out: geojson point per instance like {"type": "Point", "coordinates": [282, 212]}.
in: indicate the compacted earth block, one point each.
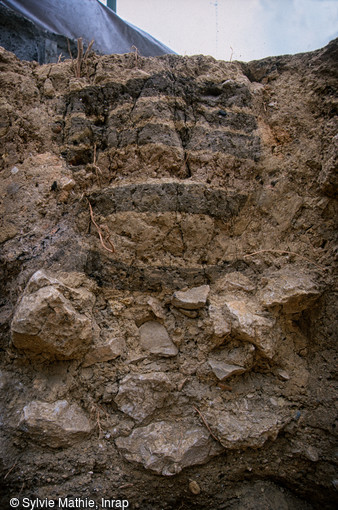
{"type": "Point", "coordinates": [168, 249]}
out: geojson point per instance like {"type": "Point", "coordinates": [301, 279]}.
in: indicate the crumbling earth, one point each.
{"type": "Point", "coordinates": [168, 249]}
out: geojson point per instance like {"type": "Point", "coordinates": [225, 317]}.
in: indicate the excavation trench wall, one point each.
{"type": "Point", "coordinates": [167, 281]}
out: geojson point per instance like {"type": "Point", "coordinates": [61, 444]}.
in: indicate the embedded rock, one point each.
{"type": "Point", "coordinates": [232, 360]}
{"type": "Point", "coordinates": [248, 323]}
{"type": "Point", "coordinates": [222, 370]}
{"type": "Point", "coordinates": [57, 425]}
{"type": "Point", "coordinates": [156, 307]}
{"type": "Point", "coordinates": [168, 447]}
{"type": "Point", "coordinates": [155, 339]}
{"type": "Point", "coordinates": [221, 326]}
{"type": "Point", "coordinates": [247, 423]}
{"type": "Point", "coordinates": [234, 281]}
{"type": "Point", "coordinates": [53, 320]}
{"type": "Point", "coordinates": [106, 351]}
{"type": "Point", "coordinates": [294, 292]}
{"type": "Point", "coordinates": [72, 290]}
{"type": "Point", "coordinates": [141, 394]}
{"type": "Point", "coordinates": [46, 323]}
{"type": "Point", "coordinates": [192, 314]}
{"type": "Point", "coordinates": [42, 279]}
{"type": "Point", "coordinates": [191, 299]}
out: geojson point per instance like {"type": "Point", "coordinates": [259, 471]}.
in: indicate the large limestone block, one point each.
{"type": "Point", "coordinates": [58, 424]}
{"type": "Point", "coordinates": [248, 423]}
{"type": "Point", "coordinates": [46, 322]}
{"type": "Point", "coordinates": [166, 448]}
{"type": "Point", "coordinates": [294, 291]}
{"type": "Point", "coordinates": [191, 299]}
{"type": "Point", "coordinates": [155, 339]}
{"type": "Point", "coordinates": [141, 394]}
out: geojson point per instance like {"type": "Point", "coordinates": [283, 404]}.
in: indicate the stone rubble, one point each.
{"type": "Point", "coordinates": [46, 323]}
{"type": "Point", "coordinates": [191, 299]}
{"type": "Point", "coordinates": [248, 322]}
{"type": "Point", "coordinates": [247, 422]}
{"type": "Point", "coordinates": [106, 351]}
{"type": "Point", "coordinates": [168, 447]}
{"type": "Point", "coordinates": [155, 339]}
{"type": "Point", "coordinates": [221, 326]}
{"type": "Point", "coordinates": [294, 292]}
{"type": "Point", "coordinates": [233, 359]}
{"type": "Point", "coordinates": [57, 425]}
{"type": "Point", "coordinates": [140, 395]}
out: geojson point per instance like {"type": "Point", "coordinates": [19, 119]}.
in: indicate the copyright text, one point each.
{"type": "Point", "coordinates": [35, 504]}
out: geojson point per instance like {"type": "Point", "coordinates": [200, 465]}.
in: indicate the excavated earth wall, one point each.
{"type": "Point", "coordinates": [168, 248]}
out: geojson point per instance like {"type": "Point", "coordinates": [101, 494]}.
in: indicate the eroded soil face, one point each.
{"type": "Point", "coordinates": [168, 288]}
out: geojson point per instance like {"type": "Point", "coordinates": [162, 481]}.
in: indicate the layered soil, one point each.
{"type": "Point", "coordinates": [168, 249]}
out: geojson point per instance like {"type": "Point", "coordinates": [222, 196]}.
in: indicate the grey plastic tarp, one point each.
{"type": "Point", "coordinates": [89, 19]}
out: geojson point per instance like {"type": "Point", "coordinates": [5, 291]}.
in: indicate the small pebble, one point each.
{"type": "Point", "coordinates": [194, 487]}
{"type": "Point", "coordinates": [283, 375]}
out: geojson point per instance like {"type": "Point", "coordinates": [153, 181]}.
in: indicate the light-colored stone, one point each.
{"type": "Point", "coordinates": [294, 291]}
{"type": "Point", "coordinates": [247, 423]}
{"type": "Point", "coordinates": [54, 319]}
{"type": "Point", "coordinates": [155, 339]}
{"type": "Point", "coordinates": [221, 326]}
{"type": "Point", "coordinates": [48, 88]}
{"type": "Point", "coordinates": [104, 351]}
{"type": "Point", "coordinates": [233, 359]}
{"type": "Point", "coordinates": [222, 370]}
{"type": "Point", "coordinates": [66, 184]}
{"type": "Point", "coordinates": [283, 374]}
{"type": "Point", "coordinates": [191, 299]}
{"type": "Point", "coordinates": [72, 289]}
{"type": "Point", "coordinates": [58, 424]}
{"type": "Point", "coordinates": [141, 394]}
{"type": "Point", "coordinates": [248, 323]}
{"type": "Point", "coordinates": [194, 487]}
{"type": "Point", "coordinates": [311, 453]}
{"type": "Point", "coordinates": [41, 279]}
{"type": "Point", "coordinates": [156, 307]}
{"type": "Point", "coordinates": [239, 353]}
{"type": "Point", "coordinates": [232, 282]}
{"type": "Point", "coordinates": [45, 322]}
{"type": "Point", "coordinates": [168, 447]}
